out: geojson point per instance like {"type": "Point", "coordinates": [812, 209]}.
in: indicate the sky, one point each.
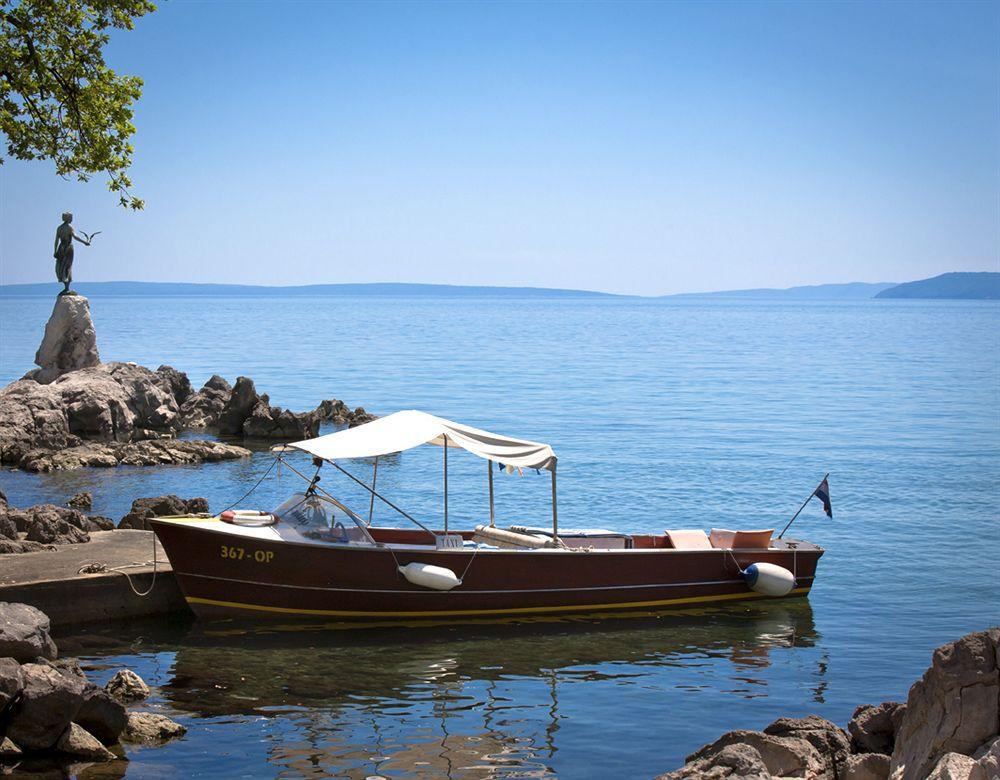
{"type": "Point", "coordinates": [648, 148]}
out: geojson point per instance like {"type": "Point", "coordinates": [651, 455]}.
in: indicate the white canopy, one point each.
{"type": "Point", "coordinates": [408, 429]}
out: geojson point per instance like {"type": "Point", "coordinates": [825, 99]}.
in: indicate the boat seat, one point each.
{"type": "Point", "coordinates": [721, 538]}
{"type": "Point", "coordinates": [689, 539]}
{"type": "Point", "coordinates": [753, 539]}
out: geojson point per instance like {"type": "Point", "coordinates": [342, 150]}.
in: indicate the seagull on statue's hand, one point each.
{"type": "Point", "coordinates": [91, 236]}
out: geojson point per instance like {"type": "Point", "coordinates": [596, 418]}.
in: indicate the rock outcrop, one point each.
{"type": "Point", "coordinates": [273, 422]}
{"type": "Point", "coordinates": [162, 452]}
{"type": "Point", "coordinates": [947, 730]}
{"type": "Point", "coordinates": [24, 633]}
{"type": "Point", "coordinates": [143, 509]}
{"type": "Point", "coordinates": [49, 708]}
{"type": "Point", "coordinates": [70, 341]}
{"type": "Point", "coordinates": [202, 409]}
{"type": "Point", "coordinates": [953, 708]}
{"type": "Point", "coordinates": [149, 728]}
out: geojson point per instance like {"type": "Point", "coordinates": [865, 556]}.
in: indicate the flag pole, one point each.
{"type": "Point", "coordinates": [802, 507]}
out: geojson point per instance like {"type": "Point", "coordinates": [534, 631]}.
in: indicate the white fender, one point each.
{"type": "Point", "coordinates": [427, 576]}
{"type": "Point", "coordinates": [769, 579]}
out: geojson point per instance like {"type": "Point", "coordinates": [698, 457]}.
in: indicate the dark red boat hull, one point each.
{"type": "Point", "coordinates": [224, 575]}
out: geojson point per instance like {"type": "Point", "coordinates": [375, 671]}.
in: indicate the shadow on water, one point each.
{"type": "Point", "coordinates": [468, 701]}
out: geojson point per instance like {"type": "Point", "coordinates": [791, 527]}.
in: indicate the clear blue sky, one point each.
{"type": "Point", "coordinates": [639, 148]}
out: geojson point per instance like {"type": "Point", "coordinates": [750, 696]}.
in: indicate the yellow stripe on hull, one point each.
{"type": "Point", "coordinates": [477, 612]}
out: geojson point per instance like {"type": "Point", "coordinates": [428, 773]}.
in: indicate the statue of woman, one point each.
{"type": "Point", "coordinates": [64, 251]}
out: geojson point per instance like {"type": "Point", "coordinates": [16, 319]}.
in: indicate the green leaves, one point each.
{"type": "Point", "coordinates": [58, 99]}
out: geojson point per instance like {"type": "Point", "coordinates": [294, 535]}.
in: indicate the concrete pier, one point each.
{"type": "Point", "coordinates": [51, 580]}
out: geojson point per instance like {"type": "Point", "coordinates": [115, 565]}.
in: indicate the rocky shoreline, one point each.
{"type": "Point", "coordinates": [45, 526]}
{"type": "Point", "coordinates": [947, 730]}
{"type": "Point", "coordinates": [51, 713]}
{"type": "Point", "coordinates": [74, 411]}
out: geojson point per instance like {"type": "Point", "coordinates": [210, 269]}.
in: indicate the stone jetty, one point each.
{"type": "Point", "coordinates": [75, 411]}
{"type": "Point", "coordinates": [51, 713]}
{"type": "Point", "coordinates": [946, 730]}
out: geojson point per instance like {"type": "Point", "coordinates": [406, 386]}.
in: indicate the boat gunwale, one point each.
{"type": "Point", "coordinates": [188, 522]}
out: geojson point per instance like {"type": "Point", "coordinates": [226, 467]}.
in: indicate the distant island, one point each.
{"type": "Point", "coordinates": [956, 286]}
{"type": "Point", "coordinates": [981, 286]}
{"type": "Point", "coordinates": [851, 290]}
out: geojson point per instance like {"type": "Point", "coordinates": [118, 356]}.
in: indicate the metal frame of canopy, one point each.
{"type": "Point", "coordinates": [417, 428]}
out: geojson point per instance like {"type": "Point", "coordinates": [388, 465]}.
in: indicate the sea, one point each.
{"type": "Point", "coordinates": [674, 413]}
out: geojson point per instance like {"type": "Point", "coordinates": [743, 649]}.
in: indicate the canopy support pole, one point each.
{"type": "Point", "coordinates": [371, 506]}
{"type": "Point", "coordinates": [555, 512]}
{"type": "Point", "coordinates": [489, 470]}
{"type": "Point", "coordinates": [445, 484]}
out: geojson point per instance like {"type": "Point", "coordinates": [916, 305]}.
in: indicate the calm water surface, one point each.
{"type": "Point", "coordinates": [681, 414]}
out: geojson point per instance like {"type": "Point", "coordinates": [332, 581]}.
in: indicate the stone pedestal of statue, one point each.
{"type": "Point", "coordinates": [70, 341]}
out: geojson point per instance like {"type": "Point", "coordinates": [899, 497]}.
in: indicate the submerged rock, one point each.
{"type": "Point", "coordinates": [70, 341]}
{"type": "Point", "coordinates": [126, 686]}
{"type": "Point", "coordinates": [24, 633]}
{"type": "Point", "coordinates": [148, 728]}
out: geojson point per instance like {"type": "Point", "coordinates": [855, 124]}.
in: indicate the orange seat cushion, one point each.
{"type": "Point", "coordinates": [689, 540]}
{"type": "Point", "coordinates": [753, 539]}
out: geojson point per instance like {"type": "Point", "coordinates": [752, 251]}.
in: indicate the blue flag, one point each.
{"type": "Point", "coordinates": [823, 494]}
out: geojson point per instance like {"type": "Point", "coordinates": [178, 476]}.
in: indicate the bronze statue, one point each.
{"type": "Point", "coordinates": [64, 251]}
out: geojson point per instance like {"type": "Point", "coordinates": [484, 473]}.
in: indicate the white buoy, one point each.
{"type": "Point", "coordinates": [427, 576]}
{"type": "Point", "coordinates": [769, 579]}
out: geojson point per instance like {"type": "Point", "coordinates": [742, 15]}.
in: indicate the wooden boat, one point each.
{"type": "Point", "coordinates": [313, 557]}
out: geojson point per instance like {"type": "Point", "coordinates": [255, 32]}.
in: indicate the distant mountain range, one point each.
{"type": "Point", "coordinates": [960, 286]}
{"type": "Point", "coordinates": [981, 286]}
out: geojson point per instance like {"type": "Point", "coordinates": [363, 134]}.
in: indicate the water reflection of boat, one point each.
{"type": "Point", "coordinates": [481, 701]}
{"type": "Point", "coordinates": [314, 558]}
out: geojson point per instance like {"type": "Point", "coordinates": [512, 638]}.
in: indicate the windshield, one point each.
{"type": "Point", "coordinates": [317, 518]}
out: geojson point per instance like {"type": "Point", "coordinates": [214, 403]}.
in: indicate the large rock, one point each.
{"type": "Point", "coordinates": [82, 500]}
{"type": "Point", "coordinates": [11, 681]}
{"type": "Point", "coordinates": [783, 756]}
{"type": "Point", "coordinates": [113, 402]}
{"type": "Point", "coordinates": [956, 766]}
{"type": "Point", "coordinates": [70, 341]}
{"type": "Point", "coordinates": [873, 728]}
{"type": "Point", "coordinates": [866, 766]}
{"type": "Point", "coordinates": [24, 633]}
{"type": "Point", "coordinates": [241, 403]}
{"type": "Point", "coordinates": [148, 728]}
{"type": "Point", "coordinates": [161, 452]}
{"type": "Point", "coordinates": [56, 525]}
{"type": "Point", "coordinates": [176, 382]}
{"type": "Point", "coordinates": [733, 762]}
{"type": "Point", "coordinates": [102, 714]}
{"type": "Point", "coordinates": [988, 757]}
{"type": "Point", "coordinates": [273, 422]}
{"type": "Point", "coordinates": [77, 741]}
{"type": "Point", "coordinates": [126, 686]}
{"type": "Point", "coordinates": [160, 506]}
{"type": "Point", "coordinates": [202, 409]}
{"type": "Point", "coordinates": [830, 741]}
{"type": "Point", "coordinates": [953, 708]}
{"type": "Point", "coordinates": [8, 528]}
{"type": "Point", "coordinates": [50, 701]}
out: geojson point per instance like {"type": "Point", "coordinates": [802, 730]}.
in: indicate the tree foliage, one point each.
{"type": "Point", "coordinates": [58, 99]}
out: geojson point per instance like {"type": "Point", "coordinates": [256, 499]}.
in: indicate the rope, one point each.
{"type": "Point", "coordinates": [255, 486]}
{"type": "Point", "coordinates": [466, 569]}
{"type": "Point", "coordinates": [103, 568]}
